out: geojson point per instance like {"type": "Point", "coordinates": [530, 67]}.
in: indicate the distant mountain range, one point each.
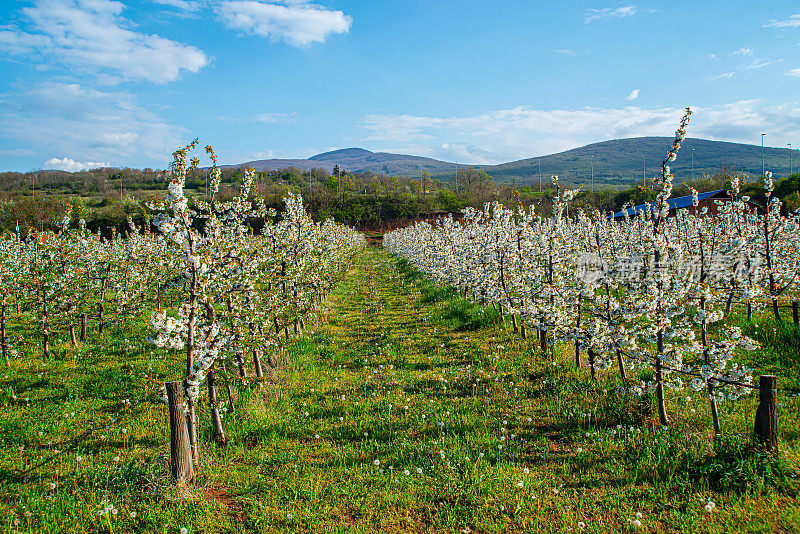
{"type": "Point", "coordinates": [360, 160]}
{"type": "Point", "coordinates": [616, 162]}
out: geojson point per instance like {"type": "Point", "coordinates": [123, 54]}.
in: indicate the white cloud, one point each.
{"type": "Point", "coordinates": [87, 124]}
{"type": "Point", "coordinates": [758, 65]}
{"type": "Point", "coordinates": [792, 22]}
{"type": "Point", "coordinates": [743, 52]}
{"type": "Point", "coordinates": [608, 12]}
{"type": "Point", "coordinates": [298, 23]}
{"type": "Point", "coordinates": [565, 52]}
{"type": "Point", "coordinates": [276, 118]}
{"type": "Point", "coordinates": [92, 34]}
{"type": "Point", "coordinates": [522, 132]}
{"type": "Point", "coordinates": [183, 5]}
{"type": "Point", "coordinates": [633, 95]}
{"type": "Point", "coordinates": [69, 164]}
{"type": "Point", "coordinates": [728, 75]}
{"type": "Point", "coordinates": [794, 72]}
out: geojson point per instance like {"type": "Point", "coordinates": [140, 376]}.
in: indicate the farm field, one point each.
{"type": "Point", "coordinates": [402, 409]}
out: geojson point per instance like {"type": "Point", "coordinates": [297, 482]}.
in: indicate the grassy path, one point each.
{"type": "Point", "coordinates": [412, 410]}
{"type": "Point", "coordinates": [404, 409]}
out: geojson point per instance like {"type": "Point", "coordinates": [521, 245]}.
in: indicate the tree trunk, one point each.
{"type": "Point", "coordinates": [3, 341]}
{"type": "Point", "coordinates": [72, 337]}
{"type": "Point", "coordinates": [621, 363]}
{"type": "Point", "coordinates": [257, 363]}
{"type": "Point", "coordinates": [83, 328]}
{"type": "Point", "coordinates": [766, 425]}
{"type": "Point", "coordinates": [231, 406]}
{"type": "Point", "coordinates": [46, 332]}
{"type": "Point", "coordinates": [592, 354]}
{"type": "Point", "coordinates": [216, 420]}
{"type": "Point", "coordinates": [101, 306]}
{"type": "Point", "coordinates": [180, 453]}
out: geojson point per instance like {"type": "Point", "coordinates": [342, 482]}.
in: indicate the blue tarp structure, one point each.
{"type": "Point", "coordinates": [674, 203]}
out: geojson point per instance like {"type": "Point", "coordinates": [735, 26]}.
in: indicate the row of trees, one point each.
{"type": "Point", "coordinates": [649, 292]}
{"type": "Point", "coordinates": [215, 292]}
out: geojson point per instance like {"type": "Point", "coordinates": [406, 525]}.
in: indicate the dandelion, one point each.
{"type": "Point", "coordinates": [133, 515]}
{"type": "Point", "coordinates": [637, 523]}
{"type": "Point", "coordinates": [520, 485]}
{"type": "Point", "coordinates": [581, 525]}
{"type": "Point", "coordinates": [183, 530]}
{"type": "Point", "coordinates": [377, 462]}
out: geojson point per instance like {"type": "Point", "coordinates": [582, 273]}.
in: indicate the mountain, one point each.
{"type": "Point", "coordinates": [360, 160]}
{"type": "Point", "coordinates": [616, 162]}
{"type": "Point", "coordinates": [622, 161]}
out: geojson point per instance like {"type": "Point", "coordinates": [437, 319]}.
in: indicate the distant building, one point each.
{"type": "Point", "coordinates": [710, 200]}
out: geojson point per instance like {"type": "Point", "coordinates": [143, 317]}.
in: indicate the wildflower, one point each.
{"type": "Point", "coordinates": [377, 462]}
{"type": "Point", "coordinates": [520, 485]}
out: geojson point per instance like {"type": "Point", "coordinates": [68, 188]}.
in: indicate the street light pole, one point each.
{"type": "Point", "coordinates": [763, 167]}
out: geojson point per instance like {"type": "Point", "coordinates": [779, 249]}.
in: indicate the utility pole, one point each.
{"type": "Point", "coordinates": [763, 166]}
{"type": "Point", "coordinates": [540, 174]}
{"type": "Point", "coordinates": [592, 174]}
{"type": "Point", "coordinates": [790, 158]}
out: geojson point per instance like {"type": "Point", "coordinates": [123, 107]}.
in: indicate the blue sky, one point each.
{"type": "Point", "coordinates": [96, 82]}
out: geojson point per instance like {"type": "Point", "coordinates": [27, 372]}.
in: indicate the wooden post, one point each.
{"type": "Point", "coordinates": [766, 425]}
{"type": "Point", "coordinates": [180, 453]}
{"type": "Point", "coordinates": [72, 338]}
{"type": "Point", "coordinates": [795, 318]}
{"type": "Point", "coordinates": [83, 328]}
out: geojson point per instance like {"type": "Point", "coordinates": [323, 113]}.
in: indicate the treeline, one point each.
{"type": "Point", "coordinates": [105, 198]}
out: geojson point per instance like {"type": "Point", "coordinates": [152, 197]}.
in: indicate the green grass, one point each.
{"type": "Point", "coordinates": [407, 374]}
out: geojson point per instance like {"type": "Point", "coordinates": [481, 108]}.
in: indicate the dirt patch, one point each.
{"type": "Point", "coordinates": [233, 508]}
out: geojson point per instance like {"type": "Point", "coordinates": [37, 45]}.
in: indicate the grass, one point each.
{"type": "Point", "coordinates": [406, 374]}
